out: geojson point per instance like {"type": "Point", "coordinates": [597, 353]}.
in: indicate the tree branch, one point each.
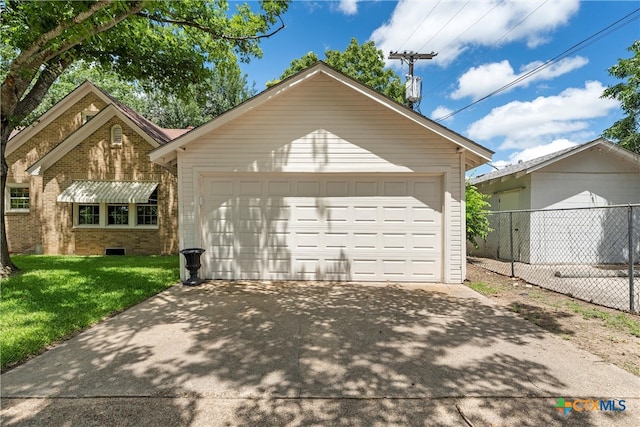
{"type": "Point", "coordinates": [46, 56]}
{"type": "Point", "coordinates": [26, 55]}
{"type": "Point", "coordinates": [223, 36]}
{"type": "Point", "coordinates": [39, 90]}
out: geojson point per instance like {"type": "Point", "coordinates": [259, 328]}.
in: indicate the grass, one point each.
{"type": "Point", "coordinates": [621, 321]}
{"type": "Point", "coordinates": [55, 296]}
{"type": "Point", "coordinates": [483, 288]}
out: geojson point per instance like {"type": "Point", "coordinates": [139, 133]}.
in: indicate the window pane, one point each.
{"type": "Point", "coordinates": [117, 214]}
{"type": "Point", "coordinates": [19, 198]}
{"type": "Point", "coordinates": [147, 215]}
{"type": "Point", "coordinates": [88, 215]}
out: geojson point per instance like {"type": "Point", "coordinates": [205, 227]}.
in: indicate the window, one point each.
{"type": "Point", "coordinates": [116, 135]}
{"type": "Point", "coordinates": [19, 198]}
{"type": "Point", "coordinates": [88, 214]}
{"type": "Point", "coordinates": [148, 214]}
{"type": "Point", "coordinates": [91, 213]}
{"type": "Point", "coordinates": [117, 214]}
{"type": "Point", "coordinates": [88, 115]}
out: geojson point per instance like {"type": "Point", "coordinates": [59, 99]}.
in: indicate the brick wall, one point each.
{"type": "Point", "coordinates": [49, 226]}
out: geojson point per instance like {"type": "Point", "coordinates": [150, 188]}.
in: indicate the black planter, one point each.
{"type": "Point", "coordinates": [192, 257]}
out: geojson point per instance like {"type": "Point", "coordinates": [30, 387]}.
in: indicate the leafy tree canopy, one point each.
{"type": "Point", "coordinates": [363, 62]}
{"type": "Point", "coordinates": [162, 45]}
{"type": "Point", "coordinates": [627, 130]}
{"type": "Point", "coordinates": [208, 99]}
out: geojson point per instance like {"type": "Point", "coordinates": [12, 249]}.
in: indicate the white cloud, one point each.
{"type": "Point", "coordinates": [535, 152]}
{"type": "Point", "coordinates": [348, 7]}
{"type": "Point", "coordinates": [441, 111]}
{"type": "Point", "coordinates": [483, 80]}
{"type": "Point", "coordinates": [527, 124]}
{"type": "Point", "coordinates": [450, 26]}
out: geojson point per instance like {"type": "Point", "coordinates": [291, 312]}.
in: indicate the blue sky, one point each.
{"type": "Point", "coordinates": [482, 45]}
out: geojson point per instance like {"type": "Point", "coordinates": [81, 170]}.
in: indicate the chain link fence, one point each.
{"type": "Point", "coordinates": [588, 253]}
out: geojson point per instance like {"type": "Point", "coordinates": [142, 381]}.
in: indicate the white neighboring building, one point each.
{"type": "Point", "coordinates": [595, 174]}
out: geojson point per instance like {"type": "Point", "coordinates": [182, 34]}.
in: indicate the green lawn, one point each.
{"type": "Point", "coordinates": [54, 296]}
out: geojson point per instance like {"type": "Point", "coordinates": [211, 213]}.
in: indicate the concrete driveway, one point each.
{"type": "Point", "coordinates": [316, 354]}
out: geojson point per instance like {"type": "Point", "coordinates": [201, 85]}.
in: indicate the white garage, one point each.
{"type": "Point", "coordinates": [322, 178]}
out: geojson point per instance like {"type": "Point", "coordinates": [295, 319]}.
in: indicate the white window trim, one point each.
{"type": "Point", "coordinates": [115, 143]}
{"type": "Point", "coordinates": [7, 198]}
{"type": "Point", "coordinates": [104, 220]}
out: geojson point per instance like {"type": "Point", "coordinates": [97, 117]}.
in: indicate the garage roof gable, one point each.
{"type": "Point", "coordinates": [476, 154]}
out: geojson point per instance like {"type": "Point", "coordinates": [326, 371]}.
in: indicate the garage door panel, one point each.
{"type": "Point", "coordinates": [394, 214]}
{"type": "Point", "coordinates": [425, 241]}
{"type": "Point", "coordinates": [394, 188]}
{"type": "Point", "coordinates": [349, 228]}
{"type": "Point", "coordinates": [335, 240]}
{"type": "Point", "coordinates": [306, 240]}
{"type": "Point", "coordinates": [394, 241]}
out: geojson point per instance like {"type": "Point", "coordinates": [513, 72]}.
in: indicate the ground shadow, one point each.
{"type": "Point", "coordinates": [300, 353]}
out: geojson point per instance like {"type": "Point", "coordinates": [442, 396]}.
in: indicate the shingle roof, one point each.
{"type": "Point", "coordinates": [529, 165]}
{"type": "Point", "coordinates": [162, 136]}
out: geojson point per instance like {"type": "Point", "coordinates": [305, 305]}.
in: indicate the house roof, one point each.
{"type": "Point", "coordinates": [83, 132]}
{"type": "Point", "coordinates": [479, 154]}
{"type": "Point", "coordinates": [523, 168]}
{"type": "Point", "coordinates": [159, 135]}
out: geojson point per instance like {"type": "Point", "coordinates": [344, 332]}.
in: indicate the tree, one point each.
{"type": "Point", "coordinates": [159, 44]}
{"type": "Point", "coordinates": [476, 213]}
{"type": "Point", "coordinates": [129, 93]}
{"type": "Point", "coordinates": [205, 100]}
{"type": "Point", "coordinates": [627, 130]}
{"type": "Point", "coordinates": [363, 62]}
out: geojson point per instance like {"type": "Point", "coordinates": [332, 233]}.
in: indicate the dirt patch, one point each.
{"type": "Point", "coordinates": [610, 334]}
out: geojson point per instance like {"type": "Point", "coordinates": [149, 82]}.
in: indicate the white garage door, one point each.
{"type": "Point", "coordinates": [315, 227]}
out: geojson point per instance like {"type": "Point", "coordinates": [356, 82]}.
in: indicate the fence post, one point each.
{"type": "Point", "coordinates": [631, 251]}
{"type": "Point", "coordinates": [513, 272]}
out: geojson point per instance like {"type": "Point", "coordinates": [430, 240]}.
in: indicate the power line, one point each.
{"type": "Point", "coordinates": [447, 23]}
{"type": "Point", "coordinates": [573, 49]}
{"type": "Point", "coordinates": [420, 24]}
{"type": "Point", "coordinates": [472, 25]}
{"type": "Point", "coordinates": [437, 85]}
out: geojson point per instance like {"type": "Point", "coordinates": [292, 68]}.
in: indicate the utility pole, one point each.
{"type": "Point", "coordinates": [411, 58]}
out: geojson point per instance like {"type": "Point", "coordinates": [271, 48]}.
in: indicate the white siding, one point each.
{"type": "Point", "coordinates": [322, 126]}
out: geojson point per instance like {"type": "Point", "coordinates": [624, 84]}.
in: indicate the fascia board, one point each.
{"type": "Point", "coordinates": [434, 127]}
{"type": "Point", "coordinates": [53, 113]}
{"type": "Point", "coordinates": [611, 147]}
{"type": "Point", "coordinates": [483, 154]}
{"type": "Point", "coordinates": [62, 149]}
{"type": "Point", "coordinates": [167, 151]}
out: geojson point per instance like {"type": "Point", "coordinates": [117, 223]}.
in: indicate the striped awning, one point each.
{"type": "Point", "coordinates": [108, 192]}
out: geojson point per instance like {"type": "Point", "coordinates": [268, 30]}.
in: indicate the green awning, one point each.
{"type": "Point", "coordinates": [108, 192]}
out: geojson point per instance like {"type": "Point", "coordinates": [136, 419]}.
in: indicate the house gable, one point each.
{"type": "Point", "coordinates": [321, 127]}
{"type": "Point", "coordinates": [596, 173]}
{"type": "Point", "coordinates": [106, 116]}
{"type": "Point", "coordinates": [86, 97]}
{"type": "Point", "coordinates": [340, 91]}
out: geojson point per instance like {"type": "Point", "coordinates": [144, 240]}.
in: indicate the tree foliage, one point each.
{"type": "Point", "coordinates": [162, 45]}
{"type": "Point", "coordinates": [626, 131]}
{"type": "Point", "coordinates": [363, 62]}
{"type": "Point", "coordinates": [476, 213]}
{"type": "Point", "coordinates": [205, 100]}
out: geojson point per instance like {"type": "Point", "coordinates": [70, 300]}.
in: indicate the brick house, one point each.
{"type": "Point", "coordinates": [80, 181]}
